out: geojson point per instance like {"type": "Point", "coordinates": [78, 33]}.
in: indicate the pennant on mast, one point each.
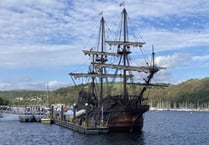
{"type": "Point", "coordinates": [100, 13]}
{"type": "Point", "coordinates": [122, 4]}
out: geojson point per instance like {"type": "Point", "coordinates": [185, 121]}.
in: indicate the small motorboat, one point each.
{"type": "Point", "coordinates": [46, 120]}
{"type": "Point", "coordinates": [38, 116]}
{"type": "Point", "coordinates": [26, 117]}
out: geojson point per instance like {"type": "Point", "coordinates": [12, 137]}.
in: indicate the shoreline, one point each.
{"type": "Point", "coordinates": [179, 109]}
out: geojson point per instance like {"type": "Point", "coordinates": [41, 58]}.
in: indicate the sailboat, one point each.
{"type": "Point", "coordinates": [45, 119]}
{"type": "Point", "coordinates": [119, 112]}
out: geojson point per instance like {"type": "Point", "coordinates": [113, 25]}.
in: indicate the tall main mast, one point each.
{"type": "Point", "coordinates": [125, 52]}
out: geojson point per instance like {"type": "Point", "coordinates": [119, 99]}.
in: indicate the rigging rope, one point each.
{"type": "Point", "coordinates": [134, 34]}
{"type": "Point", "coordinates": [137, 39]}
{"type": "Point", "coordinates": [147, 63]}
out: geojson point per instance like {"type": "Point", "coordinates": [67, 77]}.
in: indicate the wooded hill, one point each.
{"type": "Point", "coordinates": [192, 91]}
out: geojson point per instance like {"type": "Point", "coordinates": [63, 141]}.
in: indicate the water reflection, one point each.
{"type": "Point", "coordinates": [117, 139]}
{"type": "Point", "coordinates": [9, 117]}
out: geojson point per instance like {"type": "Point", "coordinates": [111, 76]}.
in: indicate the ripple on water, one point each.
{"type": "Point", "coordinates": [160, 128]}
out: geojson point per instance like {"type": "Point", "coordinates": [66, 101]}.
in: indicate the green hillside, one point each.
{"type": "Point", "coordinates": [192, 92]}
{"type": "Point", "coordinates": [23, 97]}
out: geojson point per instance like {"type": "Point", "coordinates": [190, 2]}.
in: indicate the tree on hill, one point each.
{"type": "Point", "coordinates": [4, 101]}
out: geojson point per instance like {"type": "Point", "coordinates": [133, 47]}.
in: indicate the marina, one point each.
{"type": "Point", "coordinates": [94, 72]}
{"type": "Point", "coordinates": [74, 123]}
{"type": "Point", "coordinates": [59, 118]}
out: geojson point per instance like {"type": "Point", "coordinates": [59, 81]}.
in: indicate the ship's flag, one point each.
{"type": "Point", "coordinates": [101, 13]}
{"type": "Point", "coordinates": [122, 4]}
{"type": "Point", "coordinates": [91, 49]}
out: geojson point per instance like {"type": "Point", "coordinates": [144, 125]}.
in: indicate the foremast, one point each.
{"type": "Point", "coordinates": [101, 59]}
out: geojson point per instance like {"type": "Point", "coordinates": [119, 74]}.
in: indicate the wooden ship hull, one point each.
{"type": "Point", "coordinates": [127, 122]}
{"type": "Point", "coordinates": [116, 113]}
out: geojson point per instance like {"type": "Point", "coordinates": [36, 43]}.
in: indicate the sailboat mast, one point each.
{"type": "Point", "coordinates": [47, 97]}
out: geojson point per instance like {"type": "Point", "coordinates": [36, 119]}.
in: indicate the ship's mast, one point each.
{"type": "Point", "coordinates": [152, 70]}
{"type": "Point", "coordinates": [125, 54]}
{"type": "Point", "coordinates": [93, 78]}
{"type": "Point", "coordinates": [102, 58]}
{"type": "Point", "coordinates": [153, 56]}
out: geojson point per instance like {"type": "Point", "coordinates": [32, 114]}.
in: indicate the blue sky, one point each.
{"type": "Point", "coordinates": [41, 40]}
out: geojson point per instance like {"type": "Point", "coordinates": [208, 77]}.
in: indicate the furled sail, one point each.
{"type": "Point", "coordinates": [89, 52]}
{"type": "Point", "coordinates": [146, 69]}
{"type": "Point", "coordinates": [134, 44]}
{"type": "Point", "coordinates": [78, 75]}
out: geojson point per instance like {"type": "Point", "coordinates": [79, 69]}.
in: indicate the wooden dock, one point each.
{"type": "Point", "coordinates": [82, 129]}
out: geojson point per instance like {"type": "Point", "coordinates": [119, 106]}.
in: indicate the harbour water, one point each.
{"type": "Point", "coordinates": [160, 128]}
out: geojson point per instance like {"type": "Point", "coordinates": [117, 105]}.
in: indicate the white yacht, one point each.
{"type": "Point", "coordinates": [38, 116]}
{"type": "Point", "coordinates": [26, 117]}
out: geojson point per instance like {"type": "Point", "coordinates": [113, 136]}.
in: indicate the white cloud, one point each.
{"type": "Point", "coordinates": [4, 86]}
{"type": "Point", "coordinates": [163, 8]}
{"type": "Point", "coordinates": [53, 85]}
{"type": "Point", "coordinates": [40, 56]}
{"type": "Point", "coordinates": [201, 58]}
{"type": "Point", "coordinates": [37, 28]}
{"type": "Point", "coordinates": [202, 61]}
{"type": "Point", "coordinates": [52, 33]}
{"type": "Point", "coordinates": [32, 85]}
{"type": "Point", "coordinates": [173, 40]}
{"type": "Point", "coordinates": [171, 61]}
{"type": "Point", "coordinates": [50, 85]}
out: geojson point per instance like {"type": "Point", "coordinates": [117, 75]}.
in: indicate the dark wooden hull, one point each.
{"type": "Point", "coordinates": [126, 122]}
{"type": "Point", "coordinates": [116, 112]}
